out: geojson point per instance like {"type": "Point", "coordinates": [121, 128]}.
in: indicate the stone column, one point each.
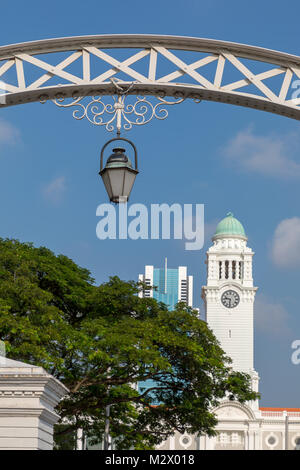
{"type": "Point", "coordinates": [251, 439]}
{"type": "Point", "coordinates": [28, 396]}
{"type": "Point", "coordinates": [210, 443]}
{"type": "Point", "coordinates": [201, 443]}
{"type": "Point", "coordinates": [246, 440]}
{"type": "Point", "coordinates": [172, 443]}
{"type": "Point", "coordinates": [256, 441]}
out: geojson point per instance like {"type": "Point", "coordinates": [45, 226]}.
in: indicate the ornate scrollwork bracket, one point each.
{"type": "Point", "coordinates": [125, 110]}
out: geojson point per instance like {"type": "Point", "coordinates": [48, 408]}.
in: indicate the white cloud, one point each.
{"type": "Point", "coordinates": [268, 155]}
{"type": "Point", "coordinates": [54, 190]}
{"type": "Point", "coordinates": [8, 133]}
{"type": "Point", "coordinates": [271, 317]}
{"type": "Point", "coordinates": [286, 243]}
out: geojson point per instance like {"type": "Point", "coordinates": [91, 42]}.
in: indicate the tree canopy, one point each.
{"type": "Point", "coordinates": [101, 341]}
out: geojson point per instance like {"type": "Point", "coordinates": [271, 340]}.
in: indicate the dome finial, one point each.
{"type": "Point", "coordinates": [229, 214]}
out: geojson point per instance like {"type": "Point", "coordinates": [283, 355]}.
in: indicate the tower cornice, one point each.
{"type": "Point", "coordinates": [227, 237]}
{"type": "Point", "coordinates": [229, 284]}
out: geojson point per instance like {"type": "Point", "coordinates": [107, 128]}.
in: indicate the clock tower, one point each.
{"type": "Point", "coordinates": [229, 295]}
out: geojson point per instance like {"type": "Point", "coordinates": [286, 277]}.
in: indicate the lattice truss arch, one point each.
{"type": "Point", "coordinates": [186, 80]}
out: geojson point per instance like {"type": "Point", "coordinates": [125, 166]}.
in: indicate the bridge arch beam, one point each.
{"type": "Point", "coordinates": [89, 63]}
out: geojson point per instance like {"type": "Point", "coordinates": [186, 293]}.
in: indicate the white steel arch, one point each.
{"type": "Point", "coordinates": [27, 75]}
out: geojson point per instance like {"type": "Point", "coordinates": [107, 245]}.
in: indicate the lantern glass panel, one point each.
{"type": "Point", "coordinates": [106, 181]}
{"type": "Point", "coordinates": [117, 176]}
{"type": "Point", "coordinates": [129, 182]}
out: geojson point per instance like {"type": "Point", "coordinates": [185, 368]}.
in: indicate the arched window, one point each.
{"type": "Point", "coordinates": [240, 270]}
{"type": "Point", "coordinates": [226, 269]}
{"type": "Point", "coordinates": [233, 269]}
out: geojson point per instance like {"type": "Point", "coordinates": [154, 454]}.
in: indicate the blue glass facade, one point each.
{"type": "Point", "coordinates": [166, 281]}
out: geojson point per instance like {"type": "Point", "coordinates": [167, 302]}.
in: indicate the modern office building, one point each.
{"type": "Point", "coordinates": [168, 285]}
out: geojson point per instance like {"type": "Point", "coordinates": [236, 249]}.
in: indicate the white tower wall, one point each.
{"type": "Point", "coordinates": [229, 267]}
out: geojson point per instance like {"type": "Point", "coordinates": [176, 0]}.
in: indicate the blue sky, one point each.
{"type": "Point", "coordinates": [203, 153]}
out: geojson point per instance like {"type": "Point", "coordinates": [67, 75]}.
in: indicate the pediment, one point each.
{"type": "Point", "coordinates": [233, 412]}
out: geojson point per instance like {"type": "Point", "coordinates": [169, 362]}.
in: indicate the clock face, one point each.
{"type": "Point", "coordinates": [230, 299]}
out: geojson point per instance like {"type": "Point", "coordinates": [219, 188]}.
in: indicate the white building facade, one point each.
{"type": "Point", "coordinates": [28, 397]}
{"type": "Point", "coordinates": [229, 296]}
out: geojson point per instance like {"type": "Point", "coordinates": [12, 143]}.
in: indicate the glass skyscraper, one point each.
{"type": "Point", "coordinates": [173, 285]}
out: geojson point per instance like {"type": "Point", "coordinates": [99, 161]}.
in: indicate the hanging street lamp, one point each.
{"type": "Point", "coordinates": [118, 175]}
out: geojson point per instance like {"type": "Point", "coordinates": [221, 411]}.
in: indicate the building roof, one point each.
{"type": "Point", "coordinates": [230, 226]}
{"type": "Point", "coordinates": [280, 409]}
{"type": "Point", "coordinates": [6, 362]}
{"type": "Point", "coordinates": [9, 366]}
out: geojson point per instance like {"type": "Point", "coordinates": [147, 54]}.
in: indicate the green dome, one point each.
{"type": "Point", "coordinates": [230, 226]}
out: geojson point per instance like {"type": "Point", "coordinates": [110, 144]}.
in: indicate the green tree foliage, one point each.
{"type": "Point", "coordinates": [100, 341]}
